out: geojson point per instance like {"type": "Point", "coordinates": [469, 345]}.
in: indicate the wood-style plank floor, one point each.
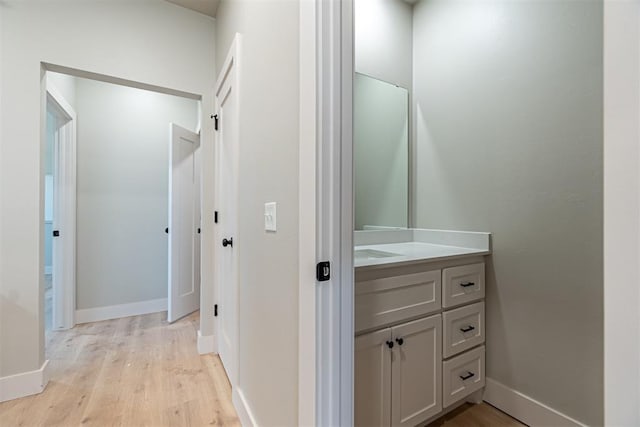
{"type": "Point", "coordinates": [135, 371]}
{"type": "Point", "coordinates": [482, 415]}
{"type": "Point", "coordinates": [142, 371]}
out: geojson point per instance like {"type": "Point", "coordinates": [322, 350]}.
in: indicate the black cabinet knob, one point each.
{"type": "Point", "coordinates": [400, 341]}
{"type": "Point", "coordinates": [390, 344]}
{"type": "Point", "coordinates": [166, 230]}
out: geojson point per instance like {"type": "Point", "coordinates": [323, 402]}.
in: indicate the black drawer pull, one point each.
{"type": "Point", "coordinates": [467, 329]}
{"type": "Point", "coordinates": [466, 377]}
{"type": "Point", "coordinates": [466, 285]}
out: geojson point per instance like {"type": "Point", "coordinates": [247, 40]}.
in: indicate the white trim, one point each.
{"type": "Point", "coordinates": [98, 314]}
{"type": "Point", "coordinates": [307, 329]}
{"type": "Point", "coordinates": [24, 384]}
{"type": "Point", "coordinates": [242, 409]}
{"type": "Point", "coordinates": [523, 407]}
{"type": "Point", "coordinates": [335, 338]}
{"type": "Point", "coordinates": [621, 213]}
{"type": "Point", "coordinates": [48, 269]}
{"type": "Point", "coordinates": [206, 344]}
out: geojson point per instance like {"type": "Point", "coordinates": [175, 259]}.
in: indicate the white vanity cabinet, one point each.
{"type": "Point", "coordinates": [397, 374]}
{"type": "Point", "coordinates": [419, 340]}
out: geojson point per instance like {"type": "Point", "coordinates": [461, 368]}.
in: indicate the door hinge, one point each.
{"type": "Point", "coordinates": [215, 310]}
{"type": "Point", "coordinates": [323, 271]}
{"type": "Point", "coordinates": [215, 121]}
{"type": "Point", "coordinates": [215, 217]}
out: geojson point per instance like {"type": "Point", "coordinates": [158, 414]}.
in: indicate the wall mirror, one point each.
{"type": "Point", "coordinates": [381, 153]}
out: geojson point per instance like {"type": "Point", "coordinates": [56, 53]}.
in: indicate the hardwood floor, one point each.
{"type": "Point", "coordinates": [482, 415]}
{"type": "Point", "coordinates": [135, 371]}
{"type": "Point", "coordinates": [142, 371]}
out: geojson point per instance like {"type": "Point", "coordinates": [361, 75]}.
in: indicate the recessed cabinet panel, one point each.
{"type": "Point", "coordinates": [372, 387]}
{"type": "Point", "coordinates": [462, 375]}
{"type": "Point", "coordinates": [416, 371]}
{"type": "Point", "coordinates": [383, 301]}
{"type": "Point", "coordinates": [462, 284]}
{"type": "Point", "coordinates": [463, 328]}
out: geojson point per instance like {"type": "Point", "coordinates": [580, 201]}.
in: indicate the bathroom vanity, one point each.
{"type": "Point", "coordinates": [419, 322]}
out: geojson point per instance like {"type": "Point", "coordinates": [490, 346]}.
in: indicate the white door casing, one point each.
{"type": "Point", "coordinates": [64, 210]}
{"type": "Point", "coordinates": [227, 151]}
{"type": "Point", "coordinates": [184, 221]}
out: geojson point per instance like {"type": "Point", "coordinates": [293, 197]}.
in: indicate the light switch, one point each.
{"type": "Point", "coordinates": [270, 216]}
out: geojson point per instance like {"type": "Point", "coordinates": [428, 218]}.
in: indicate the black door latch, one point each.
{"type": "Point", "coordinates": [323, 271]}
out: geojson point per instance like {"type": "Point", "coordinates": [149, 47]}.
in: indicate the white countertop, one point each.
{"type": "Point", "coordinates": [387, 253]}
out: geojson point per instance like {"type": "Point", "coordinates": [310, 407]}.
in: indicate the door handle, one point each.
{"type": "Point", "coordinates": [467, 329]}
{"type": "Point", "coordinates": [227, 242]}
{"type": "Point", "coordinates": [466, 285]}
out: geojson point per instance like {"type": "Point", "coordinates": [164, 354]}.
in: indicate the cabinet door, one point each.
{"type": "Point", "coordinates": [416, 371]}
{"type": "Point", "coordinates": [372, 388]}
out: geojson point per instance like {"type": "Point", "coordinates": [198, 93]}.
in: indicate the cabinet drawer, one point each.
{"type": "Point", "coordinates": [387, 300]}
{"type": "Point", "coordinates": [462, 375]}
{"type": "Point", "coordinates": [462, 284]}
{"type": "Point", "coordinates": [463, 328]}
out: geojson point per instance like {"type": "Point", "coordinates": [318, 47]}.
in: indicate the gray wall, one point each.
{"type": "Point", "coordinates": [268, 172]}
{"type": "Point", "coordinates": [383, 40]}
{"type": "Point", "coordinates": [123, 172]}
{"type": "Point", "coordinates": [509, 138]}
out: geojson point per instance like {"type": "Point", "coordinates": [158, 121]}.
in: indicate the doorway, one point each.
{"type": "Point", "coordinates": [123, 201]}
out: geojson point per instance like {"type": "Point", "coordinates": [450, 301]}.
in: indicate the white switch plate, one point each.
{"type": "Point", "coordinates": [270, 216]}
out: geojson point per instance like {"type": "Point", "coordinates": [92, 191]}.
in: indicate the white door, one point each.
{"type": "Point", "coordinates": [184, 221]}
{"type": "Point", "coordinates": [417, 371]}
{"type": "Point", "coordinates": [64, 210]}
{"type": "Point", "coordinates": [372, 379]}
{"type": "Point", "coordinates": [226, 205]}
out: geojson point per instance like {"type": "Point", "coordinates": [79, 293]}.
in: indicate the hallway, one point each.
{"type": "Point", "coordinates": [134, 371]}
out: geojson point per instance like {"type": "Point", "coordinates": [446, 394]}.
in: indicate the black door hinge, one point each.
{"type": "Point", "coordinates": [215, 310]}
{"type": "Point", "coordinates": [215, 217]}
{"type": "Point", "coordinates": [323, 271]}
{"type": "Point", "coordinates": [215, 121]}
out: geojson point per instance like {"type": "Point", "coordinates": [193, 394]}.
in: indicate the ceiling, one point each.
{"type": "Point", "coordinates": [207, 7]}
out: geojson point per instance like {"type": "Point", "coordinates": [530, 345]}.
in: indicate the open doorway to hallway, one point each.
{"type": "Point", "coordinates": [122, 206]}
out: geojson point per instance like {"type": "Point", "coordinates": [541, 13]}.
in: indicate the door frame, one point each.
{"type": "Point", "coordinates": [334, 213]}
{"type": "Point", "coordinates": [64, 288]}
{"type": "Point", "coordinates": [231, 64]}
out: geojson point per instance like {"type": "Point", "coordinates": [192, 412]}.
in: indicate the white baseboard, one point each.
{"type": "Point", "coordinates": [97, 314]}
{"type": "Point", "coordinates": [242, 408]}
{"type": "Point", "coordinates": [206, 344]}
{"type": "Point", "coordinates": [48, 269]}
{"type": "Point", "coordinates": [524, 408]}
{"type": "Point", "coordinates": [24, 384]}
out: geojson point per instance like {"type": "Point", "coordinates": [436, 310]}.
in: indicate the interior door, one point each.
{"type": "Point", "coordinates": [184, 221]}
{"type": "Point", "coordinates": [226, 239]}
